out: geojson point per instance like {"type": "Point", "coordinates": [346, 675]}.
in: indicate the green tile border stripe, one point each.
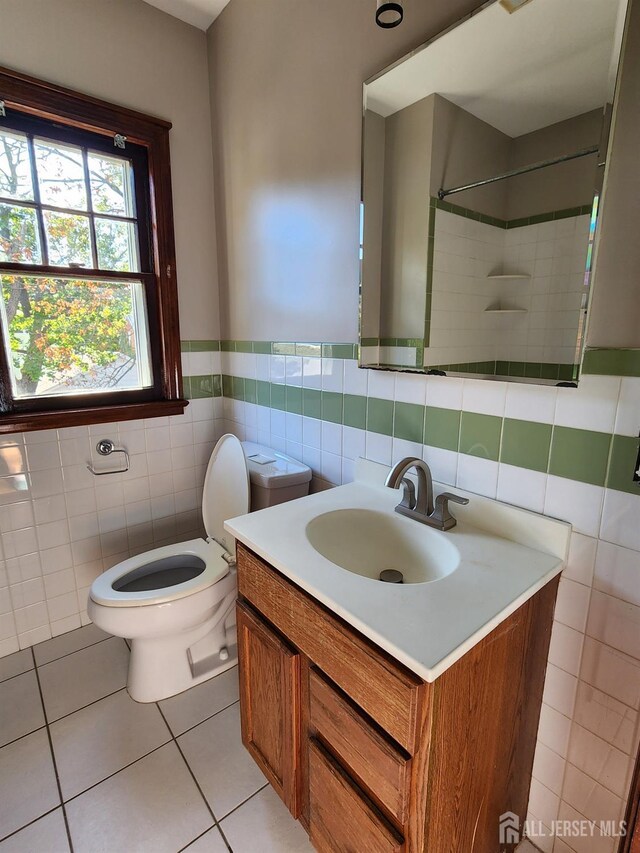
{"type": "Point", "coordinates": [586, 456]}
{"type": "Point", "coordinates": [611, 362]}
{"type": "Point", "coordinates": [301, 348]}
{"type": "Point", "coordinates": [200, 346]}
{"type": "Point", "coordinates": [527, 369]}
{"type": "Point", "coordinates": [597, 360]}
{"type": "Point", "coordinates": [204, 386]}
{"type": "Point", "coordinates": [468, 213]}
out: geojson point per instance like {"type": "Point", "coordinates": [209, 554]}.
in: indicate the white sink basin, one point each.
{"type": "Point", "coordinates": [367, 542]}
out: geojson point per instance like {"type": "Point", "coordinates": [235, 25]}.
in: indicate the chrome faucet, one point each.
{"type": "Point", "coordinates": [419, 505]}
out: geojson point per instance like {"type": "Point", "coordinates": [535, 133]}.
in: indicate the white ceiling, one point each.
{"type": "Point", "coordinates": [199, 13]}
{"type": "Point", "coordinates": [550, 60]}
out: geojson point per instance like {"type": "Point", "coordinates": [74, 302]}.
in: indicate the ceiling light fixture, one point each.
{"type": "Point", "coordinates": [389, 15]}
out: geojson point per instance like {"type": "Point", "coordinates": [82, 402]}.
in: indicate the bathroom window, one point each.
{"type": "Point", "coordinates": [88, 303]}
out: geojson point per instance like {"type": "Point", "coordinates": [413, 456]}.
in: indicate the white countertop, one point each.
{"type": "Point", "coordinates": [426, 626]}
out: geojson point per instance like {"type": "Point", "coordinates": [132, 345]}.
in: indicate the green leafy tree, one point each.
{"type": "Point", "coordinates": [68, 331]}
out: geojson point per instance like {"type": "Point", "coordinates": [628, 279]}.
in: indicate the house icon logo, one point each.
{"type": "Point", "coordinates": [509, 828]}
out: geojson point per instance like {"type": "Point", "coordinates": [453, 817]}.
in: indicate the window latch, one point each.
{"type": "Point", "coordinates": [3, 109]}
{"type": "Point", "coordinates": [119, 141]}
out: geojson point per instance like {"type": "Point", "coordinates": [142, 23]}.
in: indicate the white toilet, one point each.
{"type": "Point", "coordinates": [177, 603]}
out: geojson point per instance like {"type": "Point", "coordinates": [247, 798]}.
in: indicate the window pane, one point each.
{"type": "Point", "coordinates": [68, 239]}
{"type": "Point", "coordinates": [116, 244]}
{"type": "Point", "coordinates": [60, 175]}
{"type": "Point", "coordinates": [19, 237]}
{"type": "Point", "coordinates": [15, 169]}
{"type": "Point", "coordinates": [111, 185]}
{"type": "Point", "coordinates": [74, 336]}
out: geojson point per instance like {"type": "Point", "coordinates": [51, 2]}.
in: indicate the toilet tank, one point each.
{"type": "Point", "coordinates": [275, 477]}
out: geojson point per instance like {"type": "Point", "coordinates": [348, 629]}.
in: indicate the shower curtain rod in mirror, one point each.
{"type": "Point", "coordinates": [542, 164]}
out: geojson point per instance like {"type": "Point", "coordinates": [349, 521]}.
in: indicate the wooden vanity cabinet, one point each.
{"type": "Point", "coordinates": [368, 756]}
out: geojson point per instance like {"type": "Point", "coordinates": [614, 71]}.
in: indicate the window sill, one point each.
{"type": "Point", "coordinates": [30, 421]}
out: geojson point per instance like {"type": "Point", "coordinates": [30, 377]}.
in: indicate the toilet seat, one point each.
{"type": "Point", "coordinates": [209, 551]}
{"type": "Point", "coordinates": [225, 495]}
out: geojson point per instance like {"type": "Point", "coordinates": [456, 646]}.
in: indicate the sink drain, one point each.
{"type": "Point", "coordinates": [391, 576]}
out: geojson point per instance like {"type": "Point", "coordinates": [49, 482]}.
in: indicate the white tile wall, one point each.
{"type": "Point", "coordinates": [60, 525]}
{"type": "Point", "coordinates": [590, 719]}
{"type": "Point", "coordinates": [552, 253]}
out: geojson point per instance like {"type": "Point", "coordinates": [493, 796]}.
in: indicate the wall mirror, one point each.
{"type": "Point", "coordinates": [483, 164]}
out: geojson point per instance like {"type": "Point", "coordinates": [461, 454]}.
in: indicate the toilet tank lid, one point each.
{"type": "Point", "coordinates": [273, 470]}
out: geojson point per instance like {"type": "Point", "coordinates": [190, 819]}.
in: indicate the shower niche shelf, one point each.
{"type": "Point", "coordinates": [516, 276]}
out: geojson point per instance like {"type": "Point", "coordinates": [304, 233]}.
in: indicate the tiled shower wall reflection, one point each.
{"type": "Point", "coordinates": [566, 452]}
{"type": "Point", "coordinates": [552, 254]}
{"type": "Point", "coordinates": [61, 526]}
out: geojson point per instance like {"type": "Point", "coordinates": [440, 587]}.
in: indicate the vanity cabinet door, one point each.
{"type": "Point", "coordinates": [269, 672]}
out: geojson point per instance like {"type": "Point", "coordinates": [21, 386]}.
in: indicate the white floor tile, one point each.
{"type": "Point", "coordinates": [15, 664]}
{"type": "Point", "coordinates": [210, 842]}
{"type": "Point", "coordinates": [224, 769]}
{"type": "Point", "coordinates": [27, 782]}
{"type": "Point", "coordinates": [46, 834]}
{"type": "Point", "coordinates": [103, 738]}
{"type": "Point", "coordinates": [20, 707]}
{"type": "Point", "coordinates": [73, 641]}
{"type": "Point", "coordinates": [153, 805]}
{"type": "Point", "coordinates": [186, 710]}
{"type": "Point", "coordinates": [263, 823]}
{"type": "Point", "coordinates": [78, 679]}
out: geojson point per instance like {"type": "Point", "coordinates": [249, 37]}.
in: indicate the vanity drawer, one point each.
{"type": "Point", "coordinates": [372, 759]}
{"type": "Point", "coordinates": [389, 693]}
{"type": "Point", "coordinates": [341, 820]}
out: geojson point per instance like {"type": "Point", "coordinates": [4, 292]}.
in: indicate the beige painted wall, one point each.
{"type": "Point", "coordinates": [407, 171]}
{"type": "Point", "coordinates": [130, 53]}
{"type": "Point", "coordinates": [558, 187]}
{"type": "Point", "coordinates": [286, 81]}
{"type": "Point", "coordinates": [615, 305]}
{"type": "Point", "coordinates": [373, 144]}
{"type": "Point", "coordinates": [467, 149]}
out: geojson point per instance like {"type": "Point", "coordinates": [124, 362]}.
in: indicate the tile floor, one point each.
{"type": "Point", "coordinates": [84, 768]}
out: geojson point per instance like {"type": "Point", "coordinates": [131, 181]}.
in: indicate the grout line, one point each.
{"type": "Point", "coordinates": [210, 717]}
{"type": "Point", "coordinates": [115, 772]}
{"type": "Point", "coordinates": [88, 705]}
{"type": "Point", "coordinates": [68, 654]}
{"type": "Point", "coordinates": [17, 675]}
{"type": "Point", "coordinates": [53, 755]}
{"type": "Point", "coordinates": [16, 739]}
{"type": "Point", "coordinates": [244, 802]}
{"type": "Point", "coordinates": [216, 826]}
{"type": "Point", "coordinates": [31, 822]}
{"type": "Point", "coordinates": [192, 774]}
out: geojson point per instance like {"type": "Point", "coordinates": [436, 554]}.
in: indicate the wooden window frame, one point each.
{"type": "Point", "coordinates": [32, 97]}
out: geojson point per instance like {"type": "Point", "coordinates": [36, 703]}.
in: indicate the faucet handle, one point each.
{"type": "Point", "coordinates": [408, 493]}
{"type": "Point", "coordinates": [441, 512]}
{"type": "Point", "coordinates": [442, 499]}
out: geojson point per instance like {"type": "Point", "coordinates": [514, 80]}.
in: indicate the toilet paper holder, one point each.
{"type": "Point", "coordinates": [106, 447]}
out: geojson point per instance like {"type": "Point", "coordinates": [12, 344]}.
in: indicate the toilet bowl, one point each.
{"type": "Point", "coordinates": [176, 604]}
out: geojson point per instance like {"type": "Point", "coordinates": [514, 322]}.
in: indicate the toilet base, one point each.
{"type": "Point", "coordinates": [160, 667]}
